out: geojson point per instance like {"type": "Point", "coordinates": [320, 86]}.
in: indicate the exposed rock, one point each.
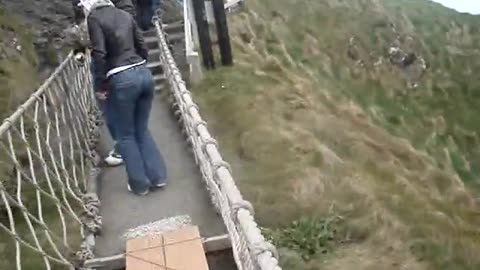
{"type": "Point", "coordinates": [45, 18]}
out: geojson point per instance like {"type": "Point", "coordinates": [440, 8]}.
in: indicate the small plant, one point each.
{"type": "Point", "coordinates": [308, 236]}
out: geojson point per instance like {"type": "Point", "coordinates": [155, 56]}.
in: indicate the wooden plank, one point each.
{"type": "Point", "coordinates": [145, 253]}
{"type": "Point", "coordinates": [185, 243]}
{"type": "Point", "coordinates": [187, 233]}
{"type": "Point", "coordinates": [167, 251]}
{"type": "Point", "coordinates": [210, 245]}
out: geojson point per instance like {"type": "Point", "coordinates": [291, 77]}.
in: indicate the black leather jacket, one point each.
{"type": "Point", "coordinates": [127, 5]}
{"type": "Point", "coordinates": [116, 41]}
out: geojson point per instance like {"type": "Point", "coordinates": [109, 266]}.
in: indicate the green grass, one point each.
{"type": "Point", "coordinates": [308, 236]}
{"type": "Point", "coordinates": [308, 132]}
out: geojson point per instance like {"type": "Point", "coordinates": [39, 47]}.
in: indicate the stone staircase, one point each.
{"type": "Point", "coordinates": [176, 38]}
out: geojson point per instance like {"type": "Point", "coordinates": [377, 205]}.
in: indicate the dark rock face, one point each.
{"type": "Point", "coordinates": [47, 19]}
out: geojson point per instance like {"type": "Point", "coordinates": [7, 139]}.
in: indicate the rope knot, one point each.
{"type": "Point", "coordinates": [264, 246]}
{"type": "Point", "coordinates": [203, 123]}
{"type": "Point", "coordinates": [221, 164]}
{"type": "Point", "coordinates": [245, 205]}
{"type": "Point", "coordinates": [193, 105]}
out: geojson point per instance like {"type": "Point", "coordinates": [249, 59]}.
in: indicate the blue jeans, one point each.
{"type": "Point", "coordinates": [104, 106]}
{"type": "Point", "coordinates": [145, 14]}
{"type": "Point", "coordinates": [131, 96]}
{"type": "Point", "coordinates": [155, 6]}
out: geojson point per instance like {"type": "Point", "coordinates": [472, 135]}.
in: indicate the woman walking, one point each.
{"type": "Point", "coordinates": [120, 54]}
{"type": "Point", "coordinates": [145, 14]}
{"type": "Point", "coordinates": [113, 158]}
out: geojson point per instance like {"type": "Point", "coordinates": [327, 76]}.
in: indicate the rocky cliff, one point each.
{"type": "Point", "coordinates": [29, 30]}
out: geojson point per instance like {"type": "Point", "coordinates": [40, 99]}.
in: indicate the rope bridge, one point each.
{"type": "Point", "coordinates": [49, 215]}
{"type": "Point", "coordinates": [47, 157]}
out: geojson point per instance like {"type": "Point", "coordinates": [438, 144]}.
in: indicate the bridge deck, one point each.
{"type": "Point", "coordinates": [185, 193]}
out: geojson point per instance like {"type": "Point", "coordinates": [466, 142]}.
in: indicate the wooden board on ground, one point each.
{"type": "Point", "coordinates": [177, 250]}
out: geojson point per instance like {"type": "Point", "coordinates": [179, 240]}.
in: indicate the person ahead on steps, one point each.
{"type": "Point", "coordinates": [120, 53]}
{"type": "Point", "coordinates": [144, 14]}
{"type": "Point", "coordinates": [146, 10]}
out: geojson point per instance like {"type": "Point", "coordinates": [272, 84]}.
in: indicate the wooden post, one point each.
{"type": "Point", "coordinates": [222, 32]}
{"type": "Point", "coordinates": [209, 12]}
{"type": "Point", "coordinates": [203, 34]}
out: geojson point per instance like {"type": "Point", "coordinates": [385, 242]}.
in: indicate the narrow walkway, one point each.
{"type": "Point", "coordinates": [185, 194]}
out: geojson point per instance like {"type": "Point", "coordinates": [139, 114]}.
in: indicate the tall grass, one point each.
{"type": "Point", "coordinates": [310, 133]}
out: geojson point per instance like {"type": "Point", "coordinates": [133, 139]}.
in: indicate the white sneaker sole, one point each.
{"type": "Point", "coordinates": [140, 194]}
{"type": "Point", "coordinates": [113, 161]}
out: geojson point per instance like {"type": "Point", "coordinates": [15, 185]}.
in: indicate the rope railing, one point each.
{"type": "Point", "coordinates": [250, 248]}
{"type": "Point", "coordinates": [46, 160]}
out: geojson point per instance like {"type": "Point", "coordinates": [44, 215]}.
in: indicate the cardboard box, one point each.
{"type": "Point", "coordinates": [177, 250]}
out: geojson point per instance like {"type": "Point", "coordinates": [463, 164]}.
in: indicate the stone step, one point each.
{"type": "Point", "coordinates": [154, 64]}
{"type": "Point", "coordinates": [159, 78]}
{"type": "Point", "coordinates": [160, 86]}
{"type": "Point", "coordinates": [155, 67]}
{"type": "Point", "coordinates": [154, 51]}
{"type": "Point", "coordinates": [151, 39]}
{"type": "Point", "coordinates": [170, 38]}
{"type": "Point", "coordinates": [175, 37]}
{"type": "Point", "coordinates": [174, 26]}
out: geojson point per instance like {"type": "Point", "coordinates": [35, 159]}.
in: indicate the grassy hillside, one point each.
{"type": "Point", "coordinates": [354, 161]}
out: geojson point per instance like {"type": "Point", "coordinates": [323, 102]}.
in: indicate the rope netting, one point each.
{"type": "Point", "coordinates": [251, 250]}
{"type": "Point", "coordinates": [46, 161]}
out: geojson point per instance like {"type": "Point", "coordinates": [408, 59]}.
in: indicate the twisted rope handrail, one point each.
{"type": "Point", "coordinates": [250, 248]}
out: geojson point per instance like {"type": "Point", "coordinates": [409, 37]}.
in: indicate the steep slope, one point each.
{"type": "Point", "coordinates": [361, 110]}
{"type": "Point", "coordinates": [46, 20]}
{"type": "Point", "coordinates": [17, 62]}
{"type": "Point", "coordinates": [28, 32]}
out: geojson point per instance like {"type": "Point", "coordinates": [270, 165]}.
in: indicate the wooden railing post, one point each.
{"type": "Point", "coordinates": [222, 32]}
{"type": "Point", "coordinates": [203, 34]}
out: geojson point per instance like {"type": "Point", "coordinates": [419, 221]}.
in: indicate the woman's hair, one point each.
{"type": "Point", "coordinates": [89, 5]}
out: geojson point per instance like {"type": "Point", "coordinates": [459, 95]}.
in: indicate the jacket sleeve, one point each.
{"type": "Point", "coordinates": [97, 41]}
{"type": "Point", "coordinates": [139, 42]}
{"type": "Point", "coordinates": [78, 14]}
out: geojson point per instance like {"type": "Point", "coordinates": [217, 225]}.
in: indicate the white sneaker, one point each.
{"type": "Point", "coordinates": [161, 185]}
{"type": "Point", "coordinates": [113, 159]}
{"type": "Point", "coordinates": [141, 194]}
